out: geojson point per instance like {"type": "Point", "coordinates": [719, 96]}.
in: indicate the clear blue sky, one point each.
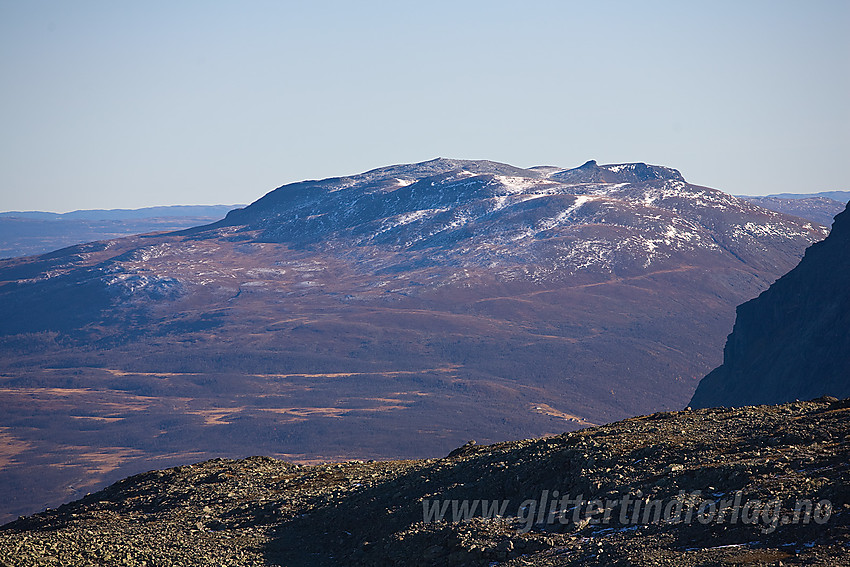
{"type": "Point", "coordinates": [108, 104]}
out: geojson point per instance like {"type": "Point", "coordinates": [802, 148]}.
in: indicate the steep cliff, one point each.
{"type": "Point", "coordinates": [793, 340]}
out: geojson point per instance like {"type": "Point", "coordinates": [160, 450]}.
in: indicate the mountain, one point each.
{"type": "Point", "coordinates": [26, 233]}
{"type": "Point", "coordinates": [814, 208]}
{"type": "Point", "coordinates": [791, 341]}
{"type": "Point", "coordinates": [203, 211]}
{"type": "Point", "coordinates": [391, 314]}
{"type": "Point", "coordinates": [841, 196]}
{"type": "Point", "coordinates": [765, 485]}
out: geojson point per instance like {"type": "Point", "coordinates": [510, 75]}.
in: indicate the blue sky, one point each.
{"type": "Point", "coordinates": [108, 104]}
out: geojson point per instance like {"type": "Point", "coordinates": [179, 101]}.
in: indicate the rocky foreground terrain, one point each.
{"type": "Point", "coordinates": [261, 511]}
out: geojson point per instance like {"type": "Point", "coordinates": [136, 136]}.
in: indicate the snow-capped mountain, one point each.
{"type": "Point", "coordinates": [482, 214]}
{"type": "Point", "coordinates": [399, 312]}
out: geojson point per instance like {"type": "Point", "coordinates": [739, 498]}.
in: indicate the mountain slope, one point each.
{"type": "Point", "coordinates": [759, 465]}
{"type": "Point", "coordinates": [817, 209]}
{"type": "Point", "coordinates": [792, 341]}
{"type": "Point", "coordinates": [391, 314]}
{"type": "Point", "coordinates": [633, 214]}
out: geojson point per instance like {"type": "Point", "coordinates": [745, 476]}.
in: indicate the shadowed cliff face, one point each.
{"type": "Point", "coordinates": [792, 341]}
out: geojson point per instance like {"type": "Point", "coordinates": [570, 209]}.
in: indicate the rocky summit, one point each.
{"type": "Point", "coordinates": [792, 341]}
{"type": "Point", "coordinates": [763, 485]}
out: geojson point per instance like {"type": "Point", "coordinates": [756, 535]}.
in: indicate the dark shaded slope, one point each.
{"type": "Point", "coordinates": [793, 341]}
{"type": "Point", "coordinates": [760, 465]}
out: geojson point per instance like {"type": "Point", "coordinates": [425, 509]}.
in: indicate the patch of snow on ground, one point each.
{"type": "Point", "coordinates": [456, 223]}
{"type": "Point", "coordinates": [461, 174]}
{"type": "Point", "coordinates": [500, 202]}
{"type": "Point", "coordinates": [516, 184]}
{"type": "Point", "coordinates": [341, 184]}
{"type": "Point", "coordinates": [562, 217]}
{"type": "Point", "coordinates": [590, 253]}
{"type": "Point", "coordinates": [603, 189]}
{"type": "Point", "coordinates": [265, 272]}
{"type": "Point", "coordinates": [755, 230]}
{"type": "Point", "coordinates": [407, 218]}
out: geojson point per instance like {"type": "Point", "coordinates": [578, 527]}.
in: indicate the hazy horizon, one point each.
{"type": "Point", "coordinates": [235, 205]}
{"type": "Point", "coordinates": [111, 105]}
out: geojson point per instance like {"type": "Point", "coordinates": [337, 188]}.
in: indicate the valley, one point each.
{"type": "Point", "coordinates": [393, 314]}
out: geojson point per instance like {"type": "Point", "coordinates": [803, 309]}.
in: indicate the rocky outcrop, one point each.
{"type": "Point", "coordinates": [591, 172]}
{"type": "Point", "coordinates": [759, 465]}
{"type": "Point", "coordinates": [793, 340]}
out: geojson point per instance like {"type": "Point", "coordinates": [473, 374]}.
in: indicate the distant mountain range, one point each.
{"type": "Point", "coordinates": [792, 341]}
{"type": "Point", "coordinates": [212, 211]}
{"type": "Point", "coordinates": [840, 196]}
{"type": "Point", "coordinates": [395, 313]}
{"type": "Point", "coordinates": [818, 207]}
{"type": "Point", "coordinates": [25, 233]}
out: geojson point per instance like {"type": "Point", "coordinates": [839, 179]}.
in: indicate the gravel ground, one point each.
{"type": "Point", "coordinates": [262, 511]}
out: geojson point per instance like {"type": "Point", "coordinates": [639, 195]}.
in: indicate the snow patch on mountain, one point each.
{"type": "Point", "coordinates": [485, 214]}
{"type": "Point", "coordinates": [565, 215]}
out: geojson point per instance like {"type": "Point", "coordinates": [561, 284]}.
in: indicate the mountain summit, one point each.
{"type": "Point", "coordinates": [613, 219]}
{"type": "Point", "coordinates": [397, 313]}
{"type": "Point", "coordinates": [590, 172]}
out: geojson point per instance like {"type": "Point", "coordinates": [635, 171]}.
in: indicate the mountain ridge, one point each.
{"type": "Point", "coordinates": [843, 196]}
{"type": "Point", "coordinates": [791, 340]}
{"type": "Point", "coordinates": [390, 315]}
{"type": "Point", "coordinates": [816, 208]}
